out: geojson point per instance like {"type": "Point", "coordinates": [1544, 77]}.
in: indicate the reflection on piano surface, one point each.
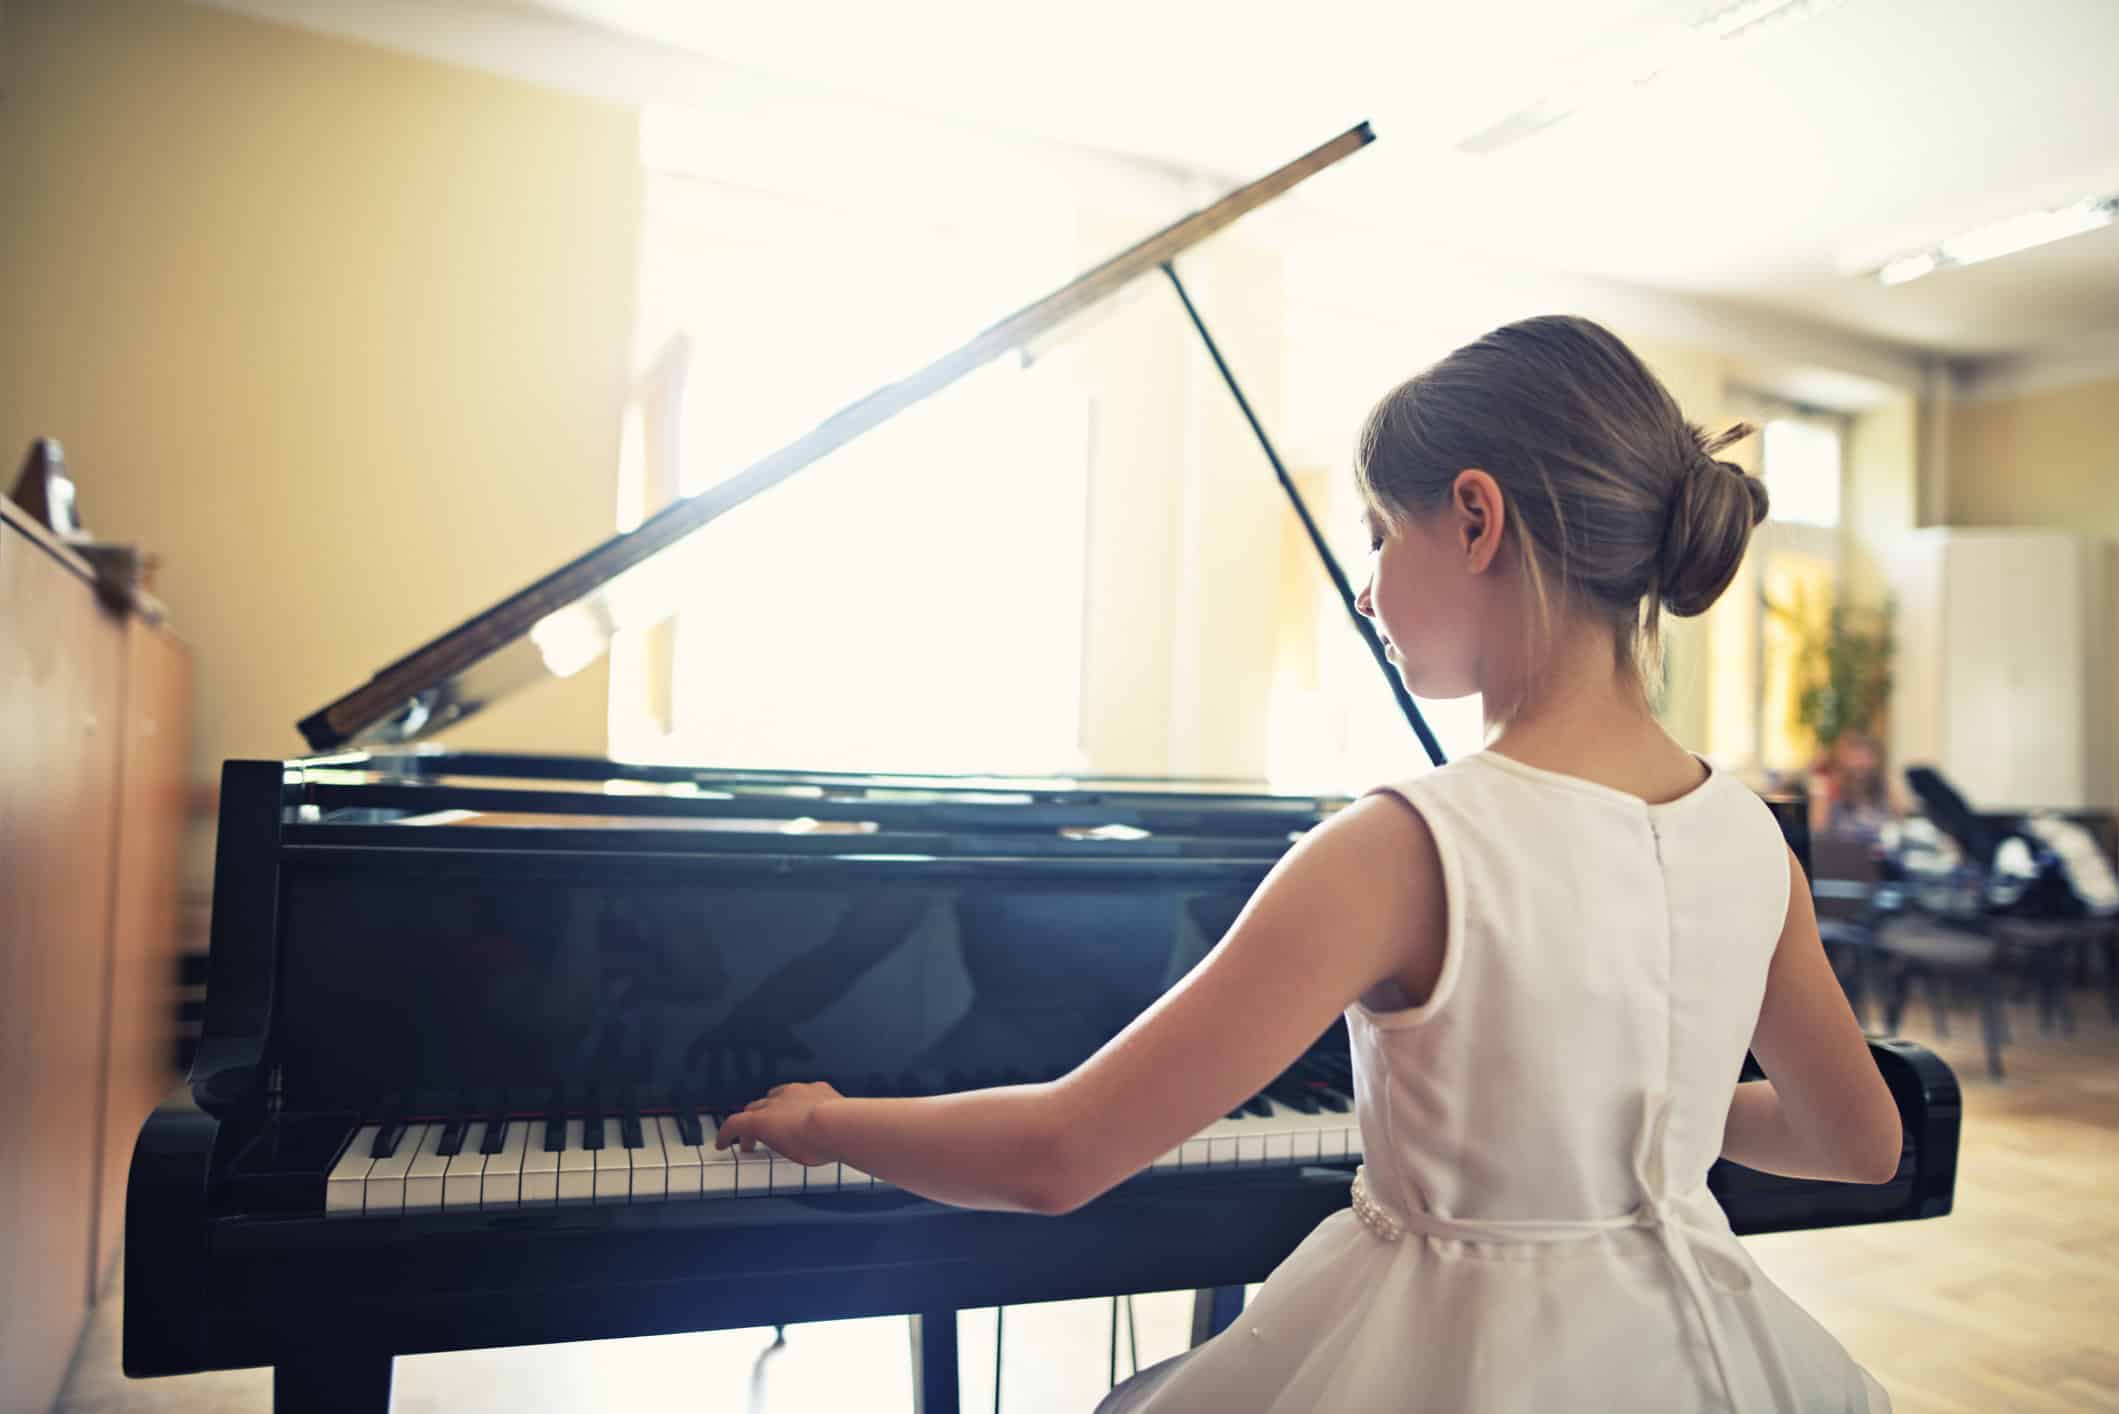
{"type": "Point", "coordinates": [470, 1021]}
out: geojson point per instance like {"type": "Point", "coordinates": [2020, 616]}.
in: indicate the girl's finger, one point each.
{"type": "Point", "coordinates": [774, 1093]}
{"type": "Point", "coordinates": [756, 1105]}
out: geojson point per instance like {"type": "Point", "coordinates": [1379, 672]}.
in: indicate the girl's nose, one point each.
{"type": "Point", "coordinates": [1363, 603]}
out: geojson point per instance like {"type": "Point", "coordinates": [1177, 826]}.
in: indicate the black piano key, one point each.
{"type": "Point", "coordinates": [688, 1127]}
{"type": "Point", "coordinates": [1259, 1105]}
{"type": "Point", "coordinates": [592, 1131]}
{"type": "Point", "coordinates": [452, 1138]}
{"type": "Point", "coordinates": [1331, 1099]}
{"type": "Point", "coordinates": [390, 1127]}
{"type": "Point", "coordinates": [629, 1131]}
{"type": "Point", "coordinates": [496, 1134]}
{"type": "Point", "coordinates": [555, 1121]}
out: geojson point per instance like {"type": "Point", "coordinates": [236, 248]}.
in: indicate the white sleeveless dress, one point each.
{"type": "Point", "coordinates": [1532, 1229]}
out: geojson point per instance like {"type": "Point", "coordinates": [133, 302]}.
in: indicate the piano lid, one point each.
{"type": "Point", "coordinates": [559, 624]}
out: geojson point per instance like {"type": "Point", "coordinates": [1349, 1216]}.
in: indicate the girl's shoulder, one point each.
{"type": "Point", "coordinates": [1493, 776]}
{"type": "Point", "coordinates": [1489, 789]}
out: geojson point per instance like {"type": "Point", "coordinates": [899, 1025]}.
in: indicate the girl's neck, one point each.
{"type": "Point", "coordinates": [1586, 715]}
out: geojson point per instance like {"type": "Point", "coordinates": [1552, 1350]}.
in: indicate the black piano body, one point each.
{"type": "Point", "coordinates": [382, 948]}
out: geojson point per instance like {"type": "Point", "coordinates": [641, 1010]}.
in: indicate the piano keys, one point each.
{"type": "Point", "coordinates": [656, 1165]}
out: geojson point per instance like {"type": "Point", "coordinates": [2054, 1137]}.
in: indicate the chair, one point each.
{"type": "Point", "coordinates": [1974, 928]}
{"type": "Point", "coordinates": [1845, 874]}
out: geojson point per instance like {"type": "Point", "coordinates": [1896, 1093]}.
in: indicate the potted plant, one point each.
{"type": "Point", "coordinates": [1841, 688]}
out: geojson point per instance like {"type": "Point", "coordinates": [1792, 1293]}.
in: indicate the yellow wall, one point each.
{"type": "Point", "coordinates": [1882, 494]}
{"type": "Point", "coordinates": [342, 335]}
{"type": "Point", "coordinates": [2043, 459]}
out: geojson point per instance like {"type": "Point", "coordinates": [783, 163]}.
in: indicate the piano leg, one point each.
{"type": "Point", "coordinates": [934, 1363]}
{"type": "Point", "coordinates": [1214, 1310]}
{"type": "Point", "coordinates": [333, 1382]}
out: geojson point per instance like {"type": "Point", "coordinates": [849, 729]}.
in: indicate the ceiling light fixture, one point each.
{"type": "Point", "coordinates": [1600, 75]}
{"type": "Point", "coordinates": [2007, 237]}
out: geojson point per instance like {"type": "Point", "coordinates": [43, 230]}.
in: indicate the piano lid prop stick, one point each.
{"type": "Point", "coordinates": [1324, 551]}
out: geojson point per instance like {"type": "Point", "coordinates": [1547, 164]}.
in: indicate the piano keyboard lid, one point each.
{"type": "Point", "coordinates": [562, 622]}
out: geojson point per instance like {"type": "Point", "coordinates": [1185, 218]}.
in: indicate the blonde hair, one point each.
{"type": "Point", "coordinates": [1620, 506]}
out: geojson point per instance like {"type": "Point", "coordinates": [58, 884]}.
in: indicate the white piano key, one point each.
{"type": "Point", "coordinates": [680, 1160]}
{"type": "Point", "coordinates": [540, 1168]}
{"type": "Point", "coordinates": [386, 1181]}
{"type": "Point", "coordinates": [1280, 1134]}
{"type": "Point", "coordinates": [614, 1171]}
{"type": "Point", "coordinates": [1353, 1139]}
{"type": "Point", "coordinates": [345, 1189]}
{"type": "Point", "coordinates": [852, 1180]}
{"type": "Point", "coordinates": [650, 1167]}
{"type": "Point", "coordinates": [423, 1178]}
{"type": "Point", "coordinates": [1169, 1160]}
{"type": "Point", "coordinates": [1220, 1142]}
{"type": "Point", "coordinates": [501, 1186]}
{"type": "Point", "coordinates": [577, 1168]}
{"type": "Point", "coordinates": [754, 1171]}
{"type": "Point", "coordinates": [717, 1174]}
{"type": "Point", "coordinates": [787, 1175]}
{"type": "Point", "coordinates": [1195, 1152]}
{"type": "Point", "coordinates": [464, 1179]}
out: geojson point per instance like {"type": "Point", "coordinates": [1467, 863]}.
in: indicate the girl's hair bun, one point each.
{"type": "Point", "coordinates": [1713, 506]}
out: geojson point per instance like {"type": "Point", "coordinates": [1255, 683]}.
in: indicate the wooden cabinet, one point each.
{"type": "Point", "coordinates": [92, 730]}
{"type": "Point", "coordinates": [153, 789]}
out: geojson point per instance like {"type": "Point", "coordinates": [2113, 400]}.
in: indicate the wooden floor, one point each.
{"type": "Point", "coordinates": [2010, 1304]}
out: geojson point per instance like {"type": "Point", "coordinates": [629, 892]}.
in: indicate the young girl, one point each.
{"type": "Point", "coordinates": [1551, 956]}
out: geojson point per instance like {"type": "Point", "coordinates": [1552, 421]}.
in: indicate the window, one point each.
{"type": "Point", "coordinates": [1802, 470]}
{"type": "Point", "coordinates": [913, 601]}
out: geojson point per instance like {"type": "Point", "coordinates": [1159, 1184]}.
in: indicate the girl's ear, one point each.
{"type": "Point", "coordinates": [1482, 514]}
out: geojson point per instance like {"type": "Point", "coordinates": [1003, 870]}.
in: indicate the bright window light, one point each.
{"type": "Point", "coordinates": [914, 601]}
{"type": "Point", "coordinates": [1802, 471]}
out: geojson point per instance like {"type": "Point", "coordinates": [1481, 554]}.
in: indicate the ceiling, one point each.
{"type": "Point", "coordinates": [1767, 172]}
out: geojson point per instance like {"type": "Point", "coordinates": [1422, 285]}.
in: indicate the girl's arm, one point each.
{"type": "Point", "coordinates": [1360, 898]}
{"type": "Point", "coordinates": [1826, 1112]}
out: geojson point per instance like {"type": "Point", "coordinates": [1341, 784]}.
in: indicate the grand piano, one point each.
{"type": "Point", "coordinates": [471, 1018]}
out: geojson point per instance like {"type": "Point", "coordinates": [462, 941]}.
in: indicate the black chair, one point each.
{"type": "Point", "coordinates": [1969, 933]}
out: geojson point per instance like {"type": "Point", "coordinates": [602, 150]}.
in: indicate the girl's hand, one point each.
{"type": "Point", "coordinates": [780, 1121]}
